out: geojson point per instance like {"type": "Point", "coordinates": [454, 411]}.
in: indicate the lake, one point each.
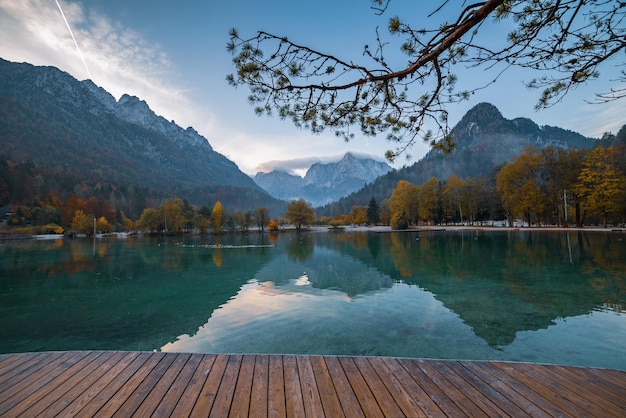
{"type": "Point", "coordinates": [537, 296]}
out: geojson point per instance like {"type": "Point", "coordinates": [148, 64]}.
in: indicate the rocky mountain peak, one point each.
{"type": "Point", "coordinates": [324, 182]}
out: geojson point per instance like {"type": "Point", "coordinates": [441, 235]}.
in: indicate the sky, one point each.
{"type": "Point", "coordinates": [174, 57]}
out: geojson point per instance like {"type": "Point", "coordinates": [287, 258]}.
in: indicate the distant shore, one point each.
{"type": "Point", "coordinates": [473, 228]}
{"type": "Point", "coordinates": [354, 228]}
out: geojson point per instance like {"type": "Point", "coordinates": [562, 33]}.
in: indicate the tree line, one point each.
{"type": "Point", "coordinates": [552, 186]}
{"type": "Point", "coordinates": [173, 216]}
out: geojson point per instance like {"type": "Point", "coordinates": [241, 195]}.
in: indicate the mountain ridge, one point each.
{"type": "Point", "coordinates": [76, 132]}
{"type": "Point", "coordinates": [324, 182]}
{"type": "Point", "coordinates": [484, 141]}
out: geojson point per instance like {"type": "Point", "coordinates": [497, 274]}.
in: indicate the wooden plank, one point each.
{"type": "Point", "coordinates": [548, 392]}
{"type": "Point", "coordinates": [177, 388]}
{"type": "Point", "coordinates": [327, 391]}
{"type": "Point", "coordinates": [225, 393]}
{"type": "Point", "coordinates": [310, 393]}
{"type": "Point", "coordinates": [260, 385]}
{"type": "Point", "coordinates": [580, 397]}
{"type": "Point", "coordinates": [153, 398]}
{"type": "Point", "coordinates": [457, 397]}
{"type": "Point", "coordinates": [206, 398]}
{"type": "Point", "coordinates": [10, 362]}
{"type": "Point", "coordinates": [35, 381]}
{"type": "Point", "coordinates": [385, 400]}
{"type": "Point", "coordinates": [190, 395]}
{"type": "Point", "coordinates": [20, 377]}
{"type": "Point", "coordinates": [418, 395]}
{"type": "Point", "coordinates": [93, 388]}
{"type": "Point", "coordinates": [609, 380]}
{"type": "Point", "coordinates": [515, 391]}
{"type": "Point", "coordinates": [117, 395]}
{"type": "Point", "coordinates": [293, 388]}
{"type": "Point", "coordinates": [60, 394]}
{"type": "Point", "coordinates": [450, 374]}
{"type": "Point", "coordinates": [141, 388]}
{"type": "Point", "coordinates": [401, 395]}
{"type": "Point", "coordinates": [435, 393]}
{"type": "Point", "coordinates": [349, 402]}
{"type": "Point", "coordinates": [359, 386]}
{"type": "Point", "coordinates": [600, 394]}
{"type": "Point", "coordinates": [276, 402]}
{"type": "Point", "coordinates": [243, 389]}
{"type": "Point", "coordinates": [483, 383]}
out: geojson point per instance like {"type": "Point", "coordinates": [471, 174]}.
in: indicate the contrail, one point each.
{"type": "Point", "coordinates": [75, 43]}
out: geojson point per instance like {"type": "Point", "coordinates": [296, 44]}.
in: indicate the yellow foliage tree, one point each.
{"type": "Point", "coordinates": [82, 223]}
{"type": "Point", "coordinates": [103, 225]}
{"type": "Point", "coordinates": [518, 182]}
{"type": "Point", "coordinates": [216, 217]}
{"type": "Point", "coordinates": [601, 184]}
{"type": "Point", "coordinates": [455, 199]}
{"type": "Point", "coordinates": [404, 199]}
{"type": "Point", "coordinates": [150, 220]}
{"type": "Point", "coordinates": [173, 218]}
{"type": "Point", "coordinates": [429, 197]}
{"type": "Point", "coordinates": [299, 213]}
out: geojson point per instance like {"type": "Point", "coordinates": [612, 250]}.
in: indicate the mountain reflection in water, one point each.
{"type": "Point", "coordinates": [519, 295]}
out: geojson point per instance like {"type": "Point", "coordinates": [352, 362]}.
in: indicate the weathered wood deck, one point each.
{"type": "Point", "coordinates": [170, 384]}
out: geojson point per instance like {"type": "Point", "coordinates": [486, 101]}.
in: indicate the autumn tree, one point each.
{"type": "Point", "coordinates": [404, 199]}
{"type": "Point", "coordinates": [262, 217]}
{"type": "Point", "coordinates": [217, 215]}
{"type": "Point", "coordinates": [200, 222]}
{"type": "Point", "coordinates": [385, 212]}
{"type": "Point", "coordinates": [82, 222]}
{"type": "Point", "coordinates": [483, 202]}
{"type": "Point", "coordinates": [601, 185]}
{"type": "Point", "coordinates": [399, 220]}
{"type": "Point", "coordinates": [429, 197]}
{"type": "Point", "coordinates": [519, 183]}
{"type": "Point", "coordinates": [560, 168]}
{"type": "Point", "coordinates": [358, 215]}
{"type": "Point", "coordinates": [273, 225]}
{"type": "Point", "coordinates": [173, 218]}
{"type": "Point", "coordinates": [73, 204]}
{"type": "Point", "coordinates": [299, 213]}
{"type": "Point", "coordinates": [455, 199]}
{"type": "Point", "coordinates": [561, 43]}
{"type": "Point", "coordinates": [243, 219]}
{"type": "Point", "coordinates": [103, 225]}
{"type": "Point", "coordinates": [150, 220]}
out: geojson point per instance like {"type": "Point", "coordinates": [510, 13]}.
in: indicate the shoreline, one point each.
{"type": "Point", "coordinates": [355, 228]}
{"type": "Point", "coordinates": [432, 228]}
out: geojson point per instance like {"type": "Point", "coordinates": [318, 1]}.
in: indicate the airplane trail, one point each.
{"type": "Point", "coordinates": [74, 39]}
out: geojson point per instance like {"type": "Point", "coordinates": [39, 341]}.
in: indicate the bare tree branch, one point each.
{"type": "Point", "coordinates": [566, 40]}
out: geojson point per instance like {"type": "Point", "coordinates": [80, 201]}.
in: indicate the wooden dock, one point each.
{"type": "Point", "coordinates": [124, 384]}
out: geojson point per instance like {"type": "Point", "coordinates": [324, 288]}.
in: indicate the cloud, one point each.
{"type": "Point", "coordinates": [300, 165]}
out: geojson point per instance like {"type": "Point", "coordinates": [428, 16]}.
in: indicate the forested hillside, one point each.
{"type": "Point", "coordinates": [60, 136]}
{"type": "Point", "coordinates": [484, 139]}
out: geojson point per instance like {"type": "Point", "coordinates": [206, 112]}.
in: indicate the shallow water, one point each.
{"type": "Point", "coordinates": [551, 297]}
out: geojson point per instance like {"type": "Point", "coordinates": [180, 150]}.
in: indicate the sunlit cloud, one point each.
{"type": "Point", "coordinates": [69, 28]}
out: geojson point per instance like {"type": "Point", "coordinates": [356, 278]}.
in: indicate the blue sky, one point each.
{"type": "Point", "coordinates": [174, 58]}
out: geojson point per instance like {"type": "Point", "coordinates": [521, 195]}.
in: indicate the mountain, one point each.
{"type": "Point", "coordinates": [80, 137]}
{"type": "Point", "coordinates": [485, 140]}
{"type": "Point", "coordinates": [279, 184]}
{"type": "Point", "coordinates": [324, 182]}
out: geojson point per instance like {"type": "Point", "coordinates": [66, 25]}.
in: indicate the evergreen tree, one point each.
{"type": "Point", "coordinates": [373, 212]}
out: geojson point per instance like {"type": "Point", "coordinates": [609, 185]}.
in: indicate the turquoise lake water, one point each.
{"type": "Point", "coordinates": [549, 297]}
